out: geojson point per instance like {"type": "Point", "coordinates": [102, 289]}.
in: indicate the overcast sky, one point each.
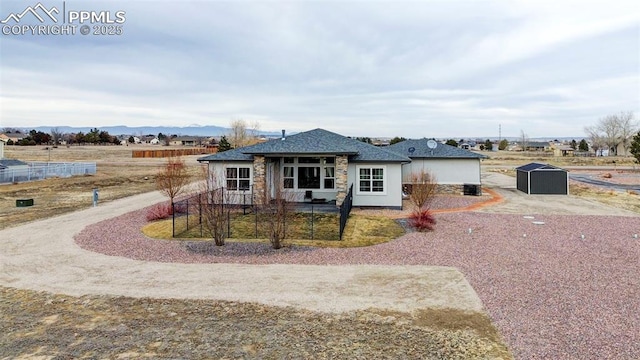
{"type": "Point", "coordinates": [412, 69]}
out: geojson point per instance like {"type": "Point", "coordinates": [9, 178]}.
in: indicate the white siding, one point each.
{"type": "Point", "coordinates": [219, 169]}
{"type": "Point", "coordinates": [392, 195]}
{"type": "Point", "coordinates": [446, 171]}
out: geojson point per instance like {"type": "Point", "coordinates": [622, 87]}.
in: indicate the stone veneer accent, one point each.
{"type": "Point", "coordinates": [342, 162]}
{"type": "Point", "coordinates": [259, 179]}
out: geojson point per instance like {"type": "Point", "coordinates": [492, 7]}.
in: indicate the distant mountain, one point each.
{"type": "Point", "coordinates": [207, 130]}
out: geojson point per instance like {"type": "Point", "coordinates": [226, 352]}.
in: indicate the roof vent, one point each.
{"type": "Point", "coordinates": [283, 137]}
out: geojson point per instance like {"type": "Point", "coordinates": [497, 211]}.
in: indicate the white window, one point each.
{"type": "Point", "coordinates": [371, 179]}
{"type": "Point", "coordinates": [238, 178]}
{"type": "Point", "coordinates": [309, 173]}
{"type": "Point", "coordinates": [288, 177]}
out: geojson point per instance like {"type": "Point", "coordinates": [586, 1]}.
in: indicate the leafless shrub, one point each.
{"type": "Point", "coordinates": [423, 189]}
{"type": "Point", "coordinates": [212, 202]}
{"type": "Point", "coordinates": [277, 207]}
{"type": "Point", "coordinates": [173, 178]}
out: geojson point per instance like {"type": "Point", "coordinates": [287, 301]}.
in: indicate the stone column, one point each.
{"type": "Point", "coordinates": [259, 179]}
{"type": "Point", "coordinates": [342, 187]}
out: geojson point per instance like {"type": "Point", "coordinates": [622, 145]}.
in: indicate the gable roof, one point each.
{"type": "Point", "coordinates": [312, 142]}
{"type": "Point", "coordinates": [229, 155]}
{"type": "Point", "coordinates": [417, 148]}
{"type": "Point", "coordinates": [536, 166]}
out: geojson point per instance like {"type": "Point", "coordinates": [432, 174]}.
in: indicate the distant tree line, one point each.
{"type": "Point", "coordinates": [33, 137]}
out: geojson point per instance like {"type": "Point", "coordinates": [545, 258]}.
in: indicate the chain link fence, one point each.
{"type": "Point", "coordinates": [41, 170]}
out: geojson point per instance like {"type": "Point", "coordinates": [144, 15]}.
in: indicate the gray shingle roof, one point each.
{"type": "Point", "coordinates": [313, 142]}
{"type": "Point", "coordinates": [229, 155]}
{"type": "Point", "coordinates": [536, 166]}
{"type": "Point", "coordinates": [418, 149]}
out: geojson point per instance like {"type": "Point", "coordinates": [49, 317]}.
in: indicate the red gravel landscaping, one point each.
{"type": "Point", "coordinates": [552, 293]}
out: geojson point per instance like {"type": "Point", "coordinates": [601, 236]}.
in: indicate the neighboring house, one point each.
{"type": "Point", "coordinates": [562, 150]}
{"type": "Point", "coordinates": [186, 141]}
{"type": "Point", "coordinates": [449, 164]}
{"type": "Point", "coordinates": [1, 150]}
{"type": "Point", "coordinates": [316, 164]}
{"type": "Point", "coordinates": [149, 139]}
{"type": "Point", "coordinates": [15, 137]}
{"type": "Point", "coordinates": [538, 146]}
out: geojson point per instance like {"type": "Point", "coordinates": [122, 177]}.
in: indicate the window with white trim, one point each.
{"type": "Point", "coordinates": [238, 178]}
{"type": "Point", "coordinates": [371, 180]}
{"type": "Point", "coordinates": [288, 177]}
{"type": "Point", "coordinates": [309, 172]}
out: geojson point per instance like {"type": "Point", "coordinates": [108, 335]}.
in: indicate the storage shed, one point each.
{"type": "Point", "coordinates": [542, 179]}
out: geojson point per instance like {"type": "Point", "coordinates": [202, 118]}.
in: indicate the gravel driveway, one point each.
{"type": "Point", "coordinates": [567, 287]}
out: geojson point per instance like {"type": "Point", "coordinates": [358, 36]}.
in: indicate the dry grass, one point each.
{"type": "Point", "coordinates": [628, 200]}
{"type": "Point", "coordinates": [361, 230]}
{"type": "Point", "coordinates": [45, 326]}
{"type": "Point", "coordinates": [519, 158]}
{"type": "Point", "coordinates": [118, 176]}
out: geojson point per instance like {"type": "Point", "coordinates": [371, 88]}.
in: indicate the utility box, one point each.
{"type": "Point", "coordinates": [472, 189]}
{"type": "Point", "coordinates": [24, 202]}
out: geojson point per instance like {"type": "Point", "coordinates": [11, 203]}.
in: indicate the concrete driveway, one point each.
{"type": "Point", "coordinates": [42, 255]}
{"type": "Point", "coordinates": [517, 202]}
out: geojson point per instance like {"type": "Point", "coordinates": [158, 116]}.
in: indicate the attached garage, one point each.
{"type": "Point", "coordinates": [542, 179]}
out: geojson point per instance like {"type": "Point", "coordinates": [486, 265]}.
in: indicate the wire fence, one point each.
{"type": "Point", "coordinates": [41, 170]}
{"type": "Point", "coordinates": [248, 220]}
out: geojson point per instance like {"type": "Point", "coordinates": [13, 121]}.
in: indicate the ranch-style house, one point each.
{"type": "Point", "coordinates": [322, 165]}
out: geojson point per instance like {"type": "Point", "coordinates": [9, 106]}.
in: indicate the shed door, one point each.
{"type": "Point", "coordinates": [549, 182]}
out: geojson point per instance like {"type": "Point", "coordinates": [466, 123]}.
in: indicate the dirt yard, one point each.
{"type": "Point", "coordinates": [45, 325]}
{"type": "Point", "coordinates": [118, 175]}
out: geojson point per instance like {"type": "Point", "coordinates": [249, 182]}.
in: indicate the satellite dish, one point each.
{"type": "Point", "coordinates": [411, 150]}
{"type": "Point", "coordinates": [432, 144]}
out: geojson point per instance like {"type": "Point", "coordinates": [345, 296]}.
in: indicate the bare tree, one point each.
{"type": "Point", "coordinates": [277, 209]}
{"type": "Point", "coordinates": [524, 140]}
{"type": "Point", "coordinates": [627, 129]}
{"type": "Point", "coordinates": [56, 136]}
{"type": "Point", "coordinates": [597, 143]}
{"type": "Point", "coordinates": [242, 133]}
{"type": "Point", "coordinates": [423, 189]}
{"type": "Point", "coordinates": [238, 134]}
{"type": "Point", "coordinates": [213, 201]}
{"type": "Point", "coordinates": [173, 178]}
{"type": "Point", "coordinates": [613, 130]}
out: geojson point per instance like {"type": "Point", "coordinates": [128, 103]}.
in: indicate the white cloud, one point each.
{"type": "Point", "coordinates": [412, 69]}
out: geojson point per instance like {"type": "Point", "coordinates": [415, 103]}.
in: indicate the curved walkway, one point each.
{"type": "Point", "coordinates": [42, 255]}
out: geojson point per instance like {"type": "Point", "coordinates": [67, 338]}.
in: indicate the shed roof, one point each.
{"type": "Point", "coordinates": [312, 142]}
{"type": "Point", "coordinates": [418, 149]}
{"type": "Point", "coordinates": [537, 166]}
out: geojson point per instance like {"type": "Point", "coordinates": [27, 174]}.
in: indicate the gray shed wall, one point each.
{"type": "Point", "coordinates": [551, 182]}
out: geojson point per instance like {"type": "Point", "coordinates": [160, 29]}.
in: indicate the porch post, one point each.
{"type": "Point", "coordinates": [342, 163]}
{"type": "Point", "coordinates": [259, 179]}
